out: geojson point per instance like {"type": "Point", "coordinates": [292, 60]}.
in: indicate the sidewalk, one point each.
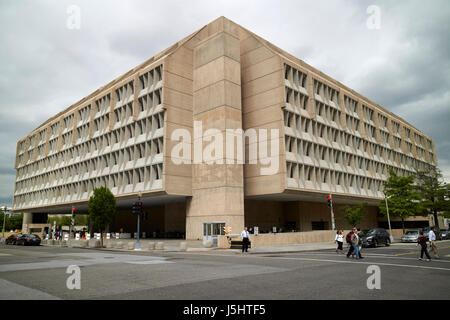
{"type": "Point", "coordinates": [173, 245]}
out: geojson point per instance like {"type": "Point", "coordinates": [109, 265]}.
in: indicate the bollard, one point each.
{"type": "Point", "coordinates": [159, 246]}
{"type": "Point", "coordinates": [109, 244]}
{"type": "Point", "coordinates": [131, 245]}
{"type": "Point", "coordinates": [183, 246]}
{"type": "Point", "coordinates": [119, 245]}
{"type": "Point", "coordinates": [208, 244]}
{"type": "Point", "coordinates": [150, 246]}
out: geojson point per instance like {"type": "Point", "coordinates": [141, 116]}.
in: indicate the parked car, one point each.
{"type": "Point", "coordinates": [12, 239]}
{"type": "Point", "coordinates": [445, 234]}
{"type": "Point", "coordinates": [375, 237]}
{"type": "Point", "coordinates": [412, 236]}
{"type": "Point", "coordinates": [437, 233]}
{"type": "Point", "coordinates": [28, 239]}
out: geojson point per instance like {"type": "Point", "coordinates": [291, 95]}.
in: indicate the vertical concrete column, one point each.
{"type": "Point", "coordinates": [111, 108]}
{"type": "Point", "coordinates": [47, 139]}
{"type": "Point", "coordinates": [217, 188]}
{"type": "Point", "coordinates": [343, 110]}
{"type": "Point", "coordinates": [27, 220]}
{"type": "Point", "coordinates": [91, 118]}
{"type": "Point", "coordinates": [60, 130]}
{"type": "Point", "coordinates": [311, 95]}
{"type": "Point", "coordinates": [135, 94]}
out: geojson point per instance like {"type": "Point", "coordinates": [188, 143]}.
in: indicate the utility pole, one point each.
{"type": "Point", "coordinates": [389, 220]}
{"type": "Point", "coordinates": [71, 223]}
{"type": "Point", "coordinates": [139, 212]}
{"type": "Point", "coordinates": [4, 220]}
{"type": "Point", "coordinates": [330, 205]}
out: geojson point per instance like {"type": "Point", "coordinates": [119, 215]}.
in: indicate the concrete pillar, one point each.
{"type": "Point", "coordinates": [27, 220]}
{"type": "Point", "coordinates": [217, 189]}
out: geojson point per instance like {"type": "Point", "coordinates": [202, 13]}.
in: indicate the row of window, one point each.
{"type": "Point", "coordinates": [150, 151]}
{"type": "Point", "coordinates": [123, 95]}
{"type": "Point", "coordinates": [139, 179]}
{"type": "Point", "coordinates": [335, 133]}
{"type": "Point", "coordinates": [296, 80]}
{"type": "Point", "coordinates": [147, 128]}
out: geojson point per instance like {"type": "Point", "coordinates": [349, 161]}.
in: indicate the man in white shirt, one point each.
{"type": "Point", "coordinates": [245, 239]}
{"type": "Point", "coordinates": [432, 239]}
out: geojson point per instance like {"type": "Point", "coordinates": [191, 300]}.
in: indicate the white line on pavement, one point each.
{"type": "Point", "coordinates": [13, 291]}
{"type": "Point", "coordinates": [371, 255]}
{"type": "Point", "coordinates": [327, 260]}
{"type": "Point", "coordinates": [363, 262]}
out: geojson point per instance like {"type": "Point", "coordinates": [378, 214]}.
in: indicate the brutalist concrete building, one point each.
{"type": "Point", "coordinates": [298, 135]}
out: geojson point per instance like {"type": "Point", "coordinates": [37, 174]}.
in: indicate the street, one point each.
{"type": "Point", "coordinates": [41, 273]}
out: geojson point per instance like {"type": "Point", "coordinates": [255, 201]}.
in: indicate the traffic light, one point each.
{"type": "Point", "coordinates": [227, 230]}
{"type": "Point", "coordinates": [330, 201]}
{"type": "Point", "coordinates": [137, 208]}
{"type": "Point", "coordinates": [73, 211]}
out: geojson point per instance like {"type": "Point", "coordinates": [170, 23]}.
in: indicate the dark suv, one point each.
{"type": "Point", "coordinates": [375, 237]}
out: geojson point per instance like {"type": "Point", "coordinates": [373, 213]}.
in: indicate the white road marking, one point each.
{"type": "Point", "coordinates": [148, 262]}
{"type": "Point", "coordinates": [13, 291]}
{"type": "Point", "coordinates": [370, 263]}
{"type": "Point", "coordinates": [87, 259]}
{"type": "Point", "coordinates": [333, 261]}
{"type": "Point", "coordinates": [372, 255]}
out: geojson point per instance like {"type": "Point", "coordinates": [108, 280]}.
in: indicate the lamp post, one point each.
{"type": "Point", "coordinates": [389, 220]}
{"type": "Point", "coordinates": [4, 220]}
{"type": "Point", "coordinates": [330, 205]}
{"type": "Point", "coordinates": [138, 242]}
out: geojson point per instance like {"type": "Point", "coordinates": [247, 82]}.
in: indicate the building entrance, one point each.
{"type": "Point", "coordinates": [211, 230]}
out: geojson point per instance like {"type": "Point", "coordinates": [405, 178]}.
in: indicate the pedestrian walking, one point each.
{"type": "Point", "coordinates": [432, 239]}
{"type": "Point", "coordinates": [355, 243]}
{"type": "Point", "coordinates": [245, 239]}
{"type": "Point", "coordinates": [339, 239]}
{"type": "Point", "coordinates": [422, 241]}
{"type": "Point", "coordinates": [360, 244]}
{"type": "Point", "coordinates": [348, 239]}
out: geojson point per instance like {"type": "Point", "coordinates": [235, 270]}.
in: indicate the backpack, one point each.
{"type": "Point", "coordinates": [348, 237]}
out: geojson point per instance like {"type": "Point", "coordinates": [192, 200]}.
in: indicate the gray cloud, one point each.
{"type": "Point", "coordinates": [45, 67]}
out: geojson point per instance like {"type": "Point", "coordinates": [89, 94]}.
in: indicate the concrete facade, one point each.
{"type": "Point", "coordinates": [125, 136]}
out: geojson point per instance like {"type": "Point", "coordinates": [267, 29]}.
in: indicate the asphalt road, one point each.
{"type": "Point", "coordinates": [41, 273]}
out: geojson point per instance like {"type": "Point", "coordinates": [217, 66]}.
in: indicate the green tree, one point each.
{"type": "Point", "coordinates": [434, 193]}
{"type": "Point", "coordinates": [102, 207]}
{"type": "Point", "coordinates": [354, 214]}
{"type": "Point", "coordinates": [14, 222]}
{"type": "Point", "coordinates": [402, 197]}
{"type": "Point", "coordinates": [11, 222]}
{"type": "Point", "coordinates": [80, 220]}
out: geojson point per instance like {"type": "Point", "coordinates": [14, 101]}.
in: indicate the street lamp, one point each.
{"type": "Point", "coordinates": [138, 242]}
{"type": "Point", "coordinates": [4, 219]}
{"type": "Point", "coordinates": [389, 220]}
{"type": "Point", "coordinates": [330, 205]}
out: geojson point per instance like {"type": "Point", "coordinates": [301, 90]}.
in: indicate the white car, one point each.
{"type": "Point", "coordinates": [411, 236]}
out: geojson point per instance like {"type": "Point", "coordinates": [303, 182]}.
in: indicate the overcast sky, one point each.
{"type": "Point", "coordinates": [46, 66]}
